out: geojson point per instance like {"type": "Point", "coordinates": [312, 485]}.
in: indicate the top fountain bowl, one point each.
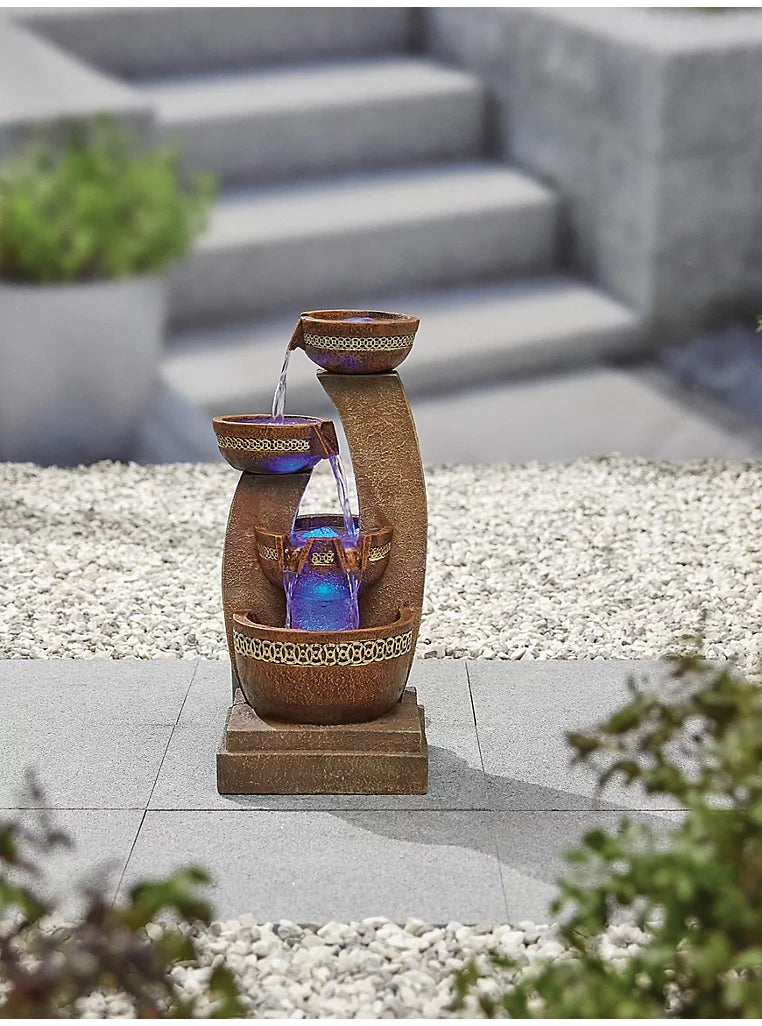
{"type": "Point", "coordinates": [356, 341]}
{"type": "Point", "coordinates": [255, 443]}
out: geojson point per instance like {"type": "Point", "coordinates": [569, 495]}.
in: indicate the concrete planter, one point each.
{"type": "Point", "coordinates": [78, 365]}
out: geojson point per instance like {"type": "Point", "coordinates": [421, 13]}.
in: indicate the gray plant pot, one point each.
{"type": "Point", "coordinates": [78, 365]}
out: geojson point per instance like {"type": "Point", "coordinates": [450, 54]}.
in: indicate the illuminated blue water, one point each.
{"type": "Point", "coordinates": [321, 598]}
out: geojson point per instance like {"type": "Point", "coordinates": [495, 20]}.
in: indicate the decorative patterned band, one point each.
{"type": "Point", "coordinates": [322, 558]}
{"type": "Point", "coordinates": [343, 653]}
{"type": "Point", "coordinates": [264, 444]}
{"type": "Point", "coordinates": [379, 552]}
{"type": "Point", "coordinates": [370, 344]}
{"type": "Point", "coordinates": [267, 552]}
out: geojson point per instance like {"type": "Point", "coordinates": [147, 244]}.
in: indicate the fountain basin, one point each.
{"type": "Point", "coordinates": [253, 442]}
{"type": "Point", "coordinates": [323, 677]}
{"type": "Point", "coordinates": [355, 341]}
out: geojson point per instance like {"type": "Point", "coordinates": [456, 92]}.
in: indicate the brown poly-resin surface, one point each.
{"type": "Point", "coordinates": [271, 502]}
{"type": "Point", "coordinates": [323, 676]}
{"type": "Point", "coordinates": [373, 345]}
{"type": "Point", "coordinates": [390, 485]}
{"type": "Point", "coordinates": [264, 756]}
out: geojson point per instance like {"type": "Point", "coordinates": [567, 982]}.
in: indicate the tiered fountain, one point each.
{"type": "Point", "coordinates": [322, 612]}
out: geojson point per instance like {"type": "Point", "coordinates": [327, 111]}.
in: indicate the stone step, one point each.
{"type": "Point", "coordinates": [139, 41]}
{"type": "Point", "coordinates": [308, 120]}
{"type": "Point", "coordinates": [523, 327]}
{"type": "Point", "coordinates": [323, 243]}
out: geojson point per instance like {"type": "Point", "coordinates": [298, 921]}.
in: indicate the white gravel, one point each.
{"type": "Point", "coordinates": [370, 969]}
{"type": "Point", "coordinates": [599, 558]}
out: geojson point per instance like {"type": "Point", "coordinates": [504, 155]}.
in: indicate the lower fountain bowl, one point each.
{"type": "Point", "coordinates": [323, 676]}
{"type": "Point", "coordinates": [255, 443]}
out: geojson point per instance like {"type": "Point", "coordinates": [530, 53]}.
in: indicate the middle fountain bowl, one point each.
{"type": "Point", "coordinates": [255, 443]}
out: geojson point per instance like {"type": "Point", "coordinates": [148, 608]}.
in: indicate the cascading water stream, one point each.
{"type": "Point", "coordinates": [279, 396]}
{"type": "Point", "coordinates": [347, 540]}
{"type": "Point", "coordinates": [350, 528]}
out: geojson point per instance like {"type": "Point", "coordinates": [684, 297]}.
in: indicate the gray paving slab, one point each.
{"type": "Point", "coordinates": [523, 711]}
{"type": "Point", "coordinates": [63, 691]}
{"type": "Point", "coordinates": [101, 843]}
{"type": "Point", "coordinates": [187, 776]}
{"type": "Point", "coordinates": [108, 737]}
{"type": "Point", "coordinates": [319, 866]}
{"type": "Point", "coordinates": [90, 767]}
{"type": "Point", "coordinates": [95, 731]}
{"type": "Point", "coordinates": [531, 850]}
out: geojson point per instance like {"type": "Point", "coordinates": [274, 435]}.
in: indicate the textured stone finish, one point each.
{"type": "Point", "coordinates": [646, 124]}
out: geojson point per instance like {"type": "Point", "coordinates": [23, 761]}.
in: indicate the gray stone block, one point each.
{"type": "Point", "coordinates": [645, 123]}
{"type": "Point", "coordinates": [523, 712]}
{"type": "Point", "coordinates": [188, 778]}
{"type": "Point", "coordinates": [398, 230]}
{"type": "Point", "coordinates": [636, 415]}
{"type": "Point", "coordinates": [710, 91]}
{"type": "Point", "coordinates": [101, 843]}
{"type": "Point", "coordinates": [82, 765]}
{"type": "Point", "coordinates": [95, 731]}
{"type": "Point", "coordinates": [531, 850]}
{"type": "Point", "coordinates": [42, 85]}
{"type": "Point", "coordinates": [320, 866]}
{"type": "Point", "coordinates": [144, 41]}
{"type": "Point", "coordinates": [289, 122]}
{"type": "Point", "coordinates": [103, 692]}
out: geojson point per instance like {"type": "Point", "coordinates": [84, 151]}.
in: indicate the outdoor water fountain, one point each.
{"type": "Point", "coordinates": [322, 612]}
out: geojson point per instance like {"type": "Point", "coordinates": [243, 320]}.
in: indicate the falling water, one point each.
{"type": "Point", "coordinates": [350, 534]}
{"type": "Point", "coordinates": [353, 579]}
{"type": "Point", "coordinates": [341, 490]}
{"type": "Point", "coordinates": [279, 398]}
{"type": "Point", "coordinates": [289, 580]}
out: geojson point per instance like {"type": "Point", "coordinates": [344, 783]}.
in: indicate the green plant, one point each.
{"type": "Point", "coordinates": [47, 970]}
{"type": "Point", "coordinates": [97, 205]}
{"type": "Point", "coordinates": [696, 890]}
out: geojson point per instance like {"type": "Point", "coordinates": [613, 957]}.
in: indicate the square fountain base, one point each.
{"type": "Point", "coordinates": [386, 756]}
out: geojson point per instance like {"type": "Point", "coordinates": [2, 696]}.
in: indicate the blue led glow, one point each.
{"type": "Point", "coordinates": [322, 601]}
{"type": "Point", "coordinates": [320, 597]}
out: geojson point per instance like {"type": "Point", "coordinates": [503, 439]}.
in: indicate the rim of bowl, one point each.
{"type": "Point", "coordinates": [265, 419]}
{"type": "Point", "coordinates": [376, 318]}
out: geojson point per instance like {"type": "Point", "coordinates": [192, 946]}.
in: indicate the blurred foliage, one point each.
{"type": "Point", "coordinates": [97, 204]}
{"type": "Point", "coordinates": [47, 969]}
{"type": "Point", "coordinates": [695, 890]}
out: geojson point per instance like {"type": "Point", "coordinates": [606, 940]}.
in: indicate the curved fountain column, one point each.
{"type": "Point", "coordinates": [391, 489]}
{"type": "Point", "coordinates": [269, 502]}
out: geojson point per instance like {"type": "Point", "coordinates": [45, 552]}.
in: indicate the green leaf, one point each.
{"type": "Point", "coordinates": [99, 205]}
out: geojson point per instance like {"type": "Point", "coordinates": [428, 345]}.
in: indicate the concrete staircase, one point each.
{"type": "Point", "coordinates": [355, 172]}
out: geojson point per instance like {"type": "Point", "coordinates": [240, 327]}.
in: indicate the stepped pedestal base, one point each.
{"type": "Point", "coordinates": [386, 756]}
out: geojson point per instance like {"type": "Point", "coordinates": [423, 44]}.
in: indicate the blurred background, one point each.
{"type": "Point", "coordinates": [571, 200]}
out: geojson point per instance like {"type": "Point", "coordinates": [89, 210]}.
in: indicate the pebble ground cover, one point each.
{"type": "Point", "coordinates": [598, 558]}
{"type": "Point", "coordinates": [364, 970]}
